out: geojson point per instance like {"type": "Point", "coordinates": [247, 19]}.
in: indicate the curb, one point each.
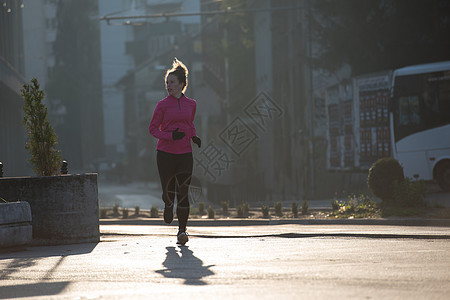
{"type": "Point", "coordinates": [265, 222]}
{"type": "Point", "coordinates": [341, 235]}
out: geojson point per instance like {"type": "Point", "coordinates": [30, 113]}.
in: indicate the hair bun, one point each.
{"type": "Point", "coordinates": [180, 71]}
{"type": "Point", "coordinates": [180, 68]}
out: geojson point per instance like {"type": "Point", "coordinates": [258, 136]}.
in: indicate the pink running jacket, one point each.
{"type": "Point", "coordinates": [171, 113]}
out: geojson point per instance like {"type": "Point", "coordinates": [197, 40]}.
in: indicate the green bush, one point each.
{"type": "Point", "coordinates": [382, 177]}
{"type": "Point", "coordinates": [335, 205]}
{"type": "Point", "coordinates": [46, 160]}
{"type": "Point", "coordinates": [409, 193]}
{"type": "Point", "coordinates": [278, 209]}
{"type": "Point", "coordinates": [103, 213]}
{"type": "Point", "coordinates": [240, 211]}
{"type": "Point", "coordinates": [201, 208]}
{"type": "Point", "coordinates": [305, 207]}
{"type": "Point", "coordinates": [154, 212]}
{"type": "Point", "coordinates": [294, 208]}
{"type": "Point", "coordinates": [193, 211]}
{"type": "Point", "coordinates": [211, 212]}
{"type": "Point", "coordinates": [116, 210]}
{"type": "Point", "coordinates": [125, 213]}
{"type": "Point", "coordinates": [265, 211]}
{"type": "Point", "coordinates": [356, 207]}
{"type": "Point", "coordinates": [246, 208]}
{"type": "Point", "coordinates": [137, 210]}
{"type": "Point", "coordinates": [243, 210]}
{"type": "Point", "coordinates": [225, 206]}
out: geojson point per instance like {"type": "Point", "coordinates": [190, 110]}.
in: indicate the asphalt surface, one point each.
{"type": "Point", "coordinates": [290, 261]}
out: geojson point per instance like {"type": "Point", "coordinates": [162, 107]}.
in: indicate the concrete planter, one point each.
{"type": "Point", "coordinates": [64, 208]}
{"type": "Point", "coordinates": [15, 224]}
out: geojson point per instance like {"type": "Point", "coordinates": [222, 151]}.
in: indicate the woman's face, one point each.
{"type": "Point", "coordinates": [173, 86]}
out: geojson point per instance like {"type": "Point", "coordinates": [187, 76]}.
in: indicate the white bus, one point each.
{"type": "Point", "coordinates": [420, 121]}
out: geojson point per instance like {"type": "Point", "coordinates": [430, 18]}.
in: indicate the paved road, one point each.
{"type": "Point", "coordinates": [142, 194]}
{"type": "Point", "coordinates": [251, 262]}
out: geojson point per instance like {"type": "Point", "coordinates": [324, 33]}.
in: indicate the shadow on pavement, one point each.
{"type": "Point", "coordinates": [187, 266]}
{"type": "Point", "coordinates": [49, 251]}
{"type": "Point", "coordinates": [33, 289]}
{"type": "Point", "coordinates": [28, 259]}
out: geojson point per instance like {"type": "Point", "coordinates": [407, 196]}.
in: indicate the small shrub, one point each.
{"type": "Point", "coordinates": [335, 205]}
{"type": "Point", "coordinates": [225, 206]}
{"type": "Point", "coordinates": [201, 208]}
{"type": "Point", "coordinates": [352, 203]}
{"type": "Point", "coordinates": [46, 160]}
{"type": "Point", "coordinates": [154, 212]}
{"type": "Point", "coordinates": [382, 177]}
{"type": "Point", "coordinates": [246, 208]}
{"type": "Point", "coordinates": [388, 211]}
{"type": "Point", "coordinates": [356, 207]}
{"type": "Point", "coordinates": [265, 211]}
{"type": "Point", "coordinates": [125, 213]}
{"type": "Point", "coordinates": [294, 208]}
{"type": "Point", "coordinates": [243, 210]}
{"type": "Point", "coordinates": [211, 213]}
{"type": "Point", "coordinates": [305, 207]}
{"type": "Point", "coordinates": [278, 209]}
{"type": "Point", "coordinates": [116, 210]}
{"type": "Point", "coordinates": [409, 193]}
{"type": "Point", "coordinates": [193, 211]}
{"type": "Point", "coordinates": [103, 213]}
{"type": "Point", "coordinates": [137, 211]}
{"type": "Point", "coordinates": [240, 211]}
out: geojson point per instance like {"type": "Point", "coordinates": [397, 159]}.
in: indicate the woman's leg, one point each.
{"type": "Point", "coordinates": [167, 170]}
{"type": "Point", "coordinates": [184, 175]}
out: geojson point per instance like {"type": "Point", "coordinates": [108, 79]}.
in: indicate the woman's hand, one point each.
{"type": "Point", "coordinates": [177, 135]}
{"type": "Point", "coordinates": [197, 141]}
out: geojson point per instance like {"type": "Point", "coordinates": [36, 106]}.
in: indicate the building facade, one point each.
{"type": "Point", "coordinates": [12, 133]}
{"type": "Point", "coordinates": [74, 84]}
{"type": "Point", "coordinates": [150, 46]}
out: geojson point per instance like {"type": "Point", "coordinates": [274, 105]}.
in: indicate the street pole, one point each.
{"type": "Point", "coordinates": [310, 107]}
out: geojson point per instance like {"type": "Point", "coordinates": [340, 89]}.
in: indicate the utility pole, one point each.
{"type": "Point", "coordinates": [310, 107]}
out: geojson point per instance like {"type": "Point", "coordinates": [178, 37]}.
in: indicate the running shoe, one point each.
{"type": "Point", "coordinates": [182, 237]}
{"type": "Point", "coordinates": [168, 213]}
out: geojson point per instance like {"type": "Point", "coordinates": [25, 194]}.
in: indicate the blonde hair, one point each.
{"type": "Point", "coordinates": [180, 71]}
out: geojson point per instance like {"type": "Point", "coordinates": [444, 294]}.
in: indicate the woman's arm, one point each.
{"type": "Point", "coordinates": [193, 131]}
{"type": "Point", "coordinates": [155, 125]}
{"type": "Point", "coordinates": [195, 138]}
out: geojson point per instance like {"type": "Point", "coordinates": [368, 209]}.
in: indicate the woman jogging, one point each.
{"type": "Point", "coordinates": [173, 125]}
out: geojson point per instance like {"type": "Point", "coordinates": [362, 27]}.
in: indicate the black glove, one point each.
{"type": "Point", "coordinates": [177, 135]}
{"type": "Point", "coordinates": [197, 141]}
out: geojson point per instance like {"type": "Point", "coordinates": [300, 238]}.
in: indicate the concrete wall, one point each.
{"type": "Point", "coordinates": [64, 208]}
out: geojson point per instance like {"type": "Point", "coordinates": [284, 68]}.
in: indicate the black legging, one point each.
{"type": "Point", "coordinates": [175, 172]}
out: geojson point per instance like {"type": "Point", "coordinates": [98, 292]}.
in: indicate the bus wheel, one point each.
{"type": "Point", "coordinates": [443, 176]}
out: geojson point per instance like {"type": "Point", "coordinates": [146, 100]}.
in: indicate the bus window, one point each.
{"type": "Point", "coordinates": [437, 101]}
{"type": "Point", "coordinates": [409, 110]}
{"type": "Point", "coordinates": [422, 103]}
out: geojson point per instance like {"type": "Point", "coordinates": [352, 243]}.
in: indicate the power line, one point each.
{"type": "Point", "coordinates": [205, 13]}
